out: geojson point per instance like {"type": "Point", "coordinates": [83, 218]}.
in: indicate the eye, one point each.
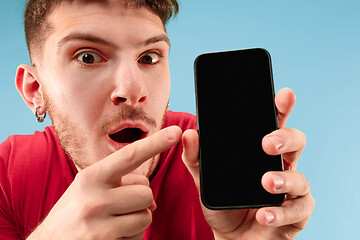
{"type": "Point", "coordinates": [89, 58]}
{"type": "Point", "coordinates": [150, 58]}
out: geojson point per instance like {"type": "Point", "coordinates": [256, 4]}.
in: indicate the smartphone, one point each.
{"type": "Point", "coordinates": [235, 110]}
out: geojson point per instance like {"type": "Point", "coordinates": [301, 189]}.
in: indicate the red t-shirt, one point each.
{"type": "Point", "coordinates": [35, 172]}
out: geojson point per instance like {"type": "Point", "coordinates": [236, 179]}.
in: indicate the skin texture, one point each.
{"type": "Point", "coordinates": [127, 84]}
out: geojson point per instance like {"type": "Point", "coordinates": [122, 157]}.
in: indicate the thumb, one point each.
{"type": "Point", "coordinates": [190, 139]}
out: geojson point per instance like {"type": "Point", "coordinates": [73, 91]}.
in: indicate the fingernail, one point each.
{"type": "Point", "coordinates": [276, 141]}
{"type": "Point", "coordinates": [269, 216]}
{"type": "Point", "coordinates": [278, 183]}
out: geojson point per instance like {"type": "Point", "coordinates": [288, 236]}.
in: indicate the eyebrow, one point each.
{"type": "Point", "coordinates": [156, 39]}
{"type": "Point", "coordinates": [98, 40]}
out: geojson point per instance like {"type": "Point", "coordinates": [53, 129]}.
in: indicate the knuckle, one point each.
{"type": "Point", "coordinates": [296, 212]}
{"type": "Point", "coordinates": [296, 182]}
{"type": "Point", "coordinates": [291, 234]}
{"type": "Point", "coordinates": [145, 219]}
{"type": "Point", "coordinates": [92, 207]}
{"type": "Point", "coordinates": [304, 184]}
{"type": "Point", "coordinates": [82, 178]}
{"type": "Point", "coordinates": [155, 145]}
{"type": "Point", "coordinates": [310, 204]}
{"type": "Point", "coordinates": [147, 195]}
{"type": "Point", "coordinates": [290, 213]}
{"type": "Point", "coordinates": [295, 136]}
{"type": "Point", "coordinates": [132, 179]}
{"type": "Point", "coordinates": [129, 152]}
{"type": "Point", "coordinates": [288, 183]}
{"type": "Point", "coordinates": [281, 215]}
{"type": "Point", "coordinates": [144, 180]}
{"type": "Point", "coordinates": [133, 224]}
{"type": "Point", "coordinates": [140, 236]}
{"type": "Point", "coordinates": [303, 137]}
{"type": "Point", "coordinates": [313, 203]}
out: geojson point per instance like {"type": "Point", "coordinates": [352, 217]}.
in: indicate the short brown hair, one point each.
{"type": "Point", "coordinates": [36, 12]}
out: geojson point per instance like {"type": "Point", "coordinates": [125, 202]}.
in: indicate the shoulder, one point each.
{"type": "Point", "coordinates": [181, 119]}
{"type": "Point", "coordinates": [36, 166]}
{"type": "Point", "coordinates": [18, 145]}
{"type": "Point", "coordinates": [21, 158]}
{"type": "Point", "coordinates": [21, 154]}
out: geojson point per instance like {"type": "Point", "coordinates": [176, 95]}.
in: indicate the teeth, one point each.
{"type": "Point", "coordinates": [127, 135]}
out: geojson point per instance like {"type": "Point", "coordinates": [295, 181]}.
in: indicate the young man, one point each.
{"type": "Point", "coordinates": [113, 166]}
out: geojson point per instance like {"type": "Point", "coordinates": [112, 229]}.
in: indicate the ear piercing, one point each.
{"type": "Point", "coordinates": [40, 119]}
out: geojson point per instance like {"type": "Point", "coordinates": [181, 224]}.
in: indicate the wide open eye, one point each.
{"type": "Point", "coordinates": [150, 58]}
{"type": "Point", "coordinates": [88, 58]}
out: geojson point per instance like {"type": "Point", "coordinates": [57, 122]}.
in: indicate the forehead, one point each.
{"type": "Point", "coordinates": [109, 19]}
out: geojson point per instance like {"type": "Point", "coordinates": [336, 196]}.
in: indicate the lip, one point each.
{"type": "Point", "coordinates": [128, 124]}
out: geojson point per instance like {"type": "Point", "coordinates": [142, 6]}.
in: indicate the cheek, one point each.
{"type": "Point", "coordinates": [89, 105]}
{"type": "Point", "coordinates": [159, 96]}
{"type": "Point", "coordinates": [77, 98]}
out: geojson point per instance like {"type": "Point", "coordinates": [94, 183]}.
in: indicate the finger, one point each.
{"type": "Point", "coordinates": [130, 198]}
{"type": "Point", "coordinates": [131, 225]}
{"type": "Point", "coordinates": [285, 101]}
{"type": "Point", "coordinates": [294, 212]}
{"type": "Point", "coordinates": [127, 159]}
{"type": "Point", "coordinates": [138, 179]}
{"type": "Point", "coordinates": [190, 155]}
{"type": "Point", "coordinates": [133, 179]}
{"type": "Point", "coordinates": [138, 236]}
{"type": "Point", "coordinates": [289, 182]}
{"type": "Point", "coordinates": [287, 141]}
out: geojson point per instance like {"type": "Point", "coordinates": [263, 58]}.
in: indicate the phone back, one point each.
{"type": "Point", "coordinates": [235, 110]}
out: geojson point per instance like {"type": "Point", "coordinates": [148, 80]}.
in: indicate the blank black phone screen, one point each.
{"type": "Point", "coordinates": [235, 110]}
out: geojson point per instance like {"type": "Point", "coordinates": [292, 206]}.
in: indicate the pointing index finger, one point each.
{"type": "Point", "coordinates": [113, 167]}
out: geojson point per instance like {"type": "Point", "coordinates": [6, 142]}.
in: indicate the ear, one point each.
{"type": "Point", "coordinates": [29, 87]}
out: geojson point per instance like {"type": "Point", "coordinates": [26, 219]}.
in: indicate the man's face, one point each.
{"type": "Point", "coordinates": [105, 77]}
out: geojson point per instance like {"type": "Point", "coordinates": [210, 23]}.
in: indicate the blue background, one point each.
{"type": "Point", "coordinates": [314, 48]}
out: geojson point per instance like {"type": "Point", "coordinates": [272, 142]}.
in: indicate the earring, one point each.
{"type": "Point", "coordinates": [40, 119]}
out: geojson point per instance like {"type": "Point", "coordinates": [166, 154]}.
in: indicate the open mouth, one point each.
{"type": "Point", "coordinates": [128, 135]}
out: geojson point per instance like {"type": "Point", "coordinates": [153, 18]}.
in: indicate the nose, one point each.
{"type": "Point", "coordinates": [129, 87]}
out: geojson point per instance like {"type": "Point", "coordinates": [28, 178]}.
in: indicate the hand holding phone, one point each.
{"type": "Point", "coordinates": [235, 110]}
